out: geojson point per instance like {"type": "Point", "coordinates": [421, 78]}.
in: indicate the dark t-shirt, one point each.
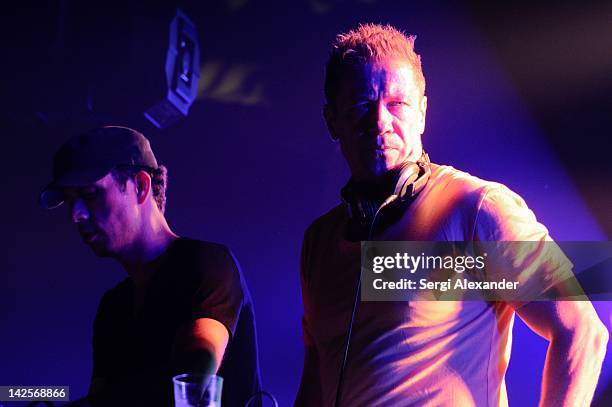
{"type": "Point", "coordinates": [135, 354]}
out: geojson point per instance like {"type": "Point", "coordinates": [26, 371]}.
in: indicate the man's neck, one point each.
{"type": "Point", "coordinates": [143, 257]}
{"type": "Point", "coordinates": [379, 187]}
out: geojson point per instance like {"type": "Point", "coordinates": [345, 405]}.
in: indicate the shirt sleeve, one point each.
{"type": "Point", "coordinates": [220, 295]}
{"type": "Point", "coordinates": [519, 247]}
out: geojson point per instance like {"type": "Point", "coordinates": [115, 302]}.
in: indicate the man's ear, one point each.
{"type": "Point", "coordinates": [142, 181]}
{"type": "Point", "coordinates": [330, 118]}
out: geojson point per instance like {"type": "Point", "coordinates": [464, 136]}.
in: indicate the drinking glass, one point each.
{"type": "Point", "coordinates": [196, 390]}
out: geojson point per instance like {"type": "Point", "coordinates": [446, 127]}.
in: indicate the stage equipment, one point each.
{"type": "Point", "coordinates": [182, 73]}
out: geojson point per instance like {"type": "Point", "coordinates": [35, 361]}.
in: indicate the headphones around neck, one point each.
{"type": "Point", "coordinates": [410, 180]}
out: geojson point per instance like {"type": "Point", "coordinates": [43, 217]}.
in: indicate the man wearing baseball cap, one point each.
{"type": "Point", "coordinates": [184, 306]}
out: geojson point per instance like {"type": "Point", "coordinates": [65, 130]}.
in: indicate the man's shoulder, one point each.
{"type": "Point", "coordinates": [451, 180]}
{"type": "Point", "coordinates": [460, 186]}
{"type": "Point", "coordinates": [446, 176]}
{"type": "Point", "coordinates": [199, 253]}
{"type": "Point", "coordinates": [120, 289]}
{"type": "Point", "coordinates": [502, 214]}
{"type": "Point", "coordinates": [186, 245]}
{"type": "Point", "coordinates": [199, 258]}
{"type": "Point", "coordinates": [335, 217]}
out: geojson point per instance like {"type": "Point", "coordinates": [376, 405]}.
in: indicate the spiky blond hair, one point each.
{"type": "Point", "coordinates": [368, 43]}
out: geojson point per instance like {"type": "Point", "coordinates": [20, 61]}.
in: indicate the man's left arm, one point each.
{"type": "Point", "coordinates": [577, 338]}
{"type": "Point", "coordinates": [200, 343]}
{"type": "Point", "coordinates": [200, 346]}
{"type": "Point", "coordinates": [577, 346]}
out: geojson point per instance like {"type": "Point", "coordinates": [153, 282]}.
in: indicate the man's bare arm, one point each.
{"type": "Point", "coordinates": [576, 351]}
{"type": "Point", "coordinates": [200, 346]}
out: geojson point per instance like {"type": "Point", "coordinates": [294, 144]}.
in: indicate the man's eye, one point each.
{"type": "Point", "coordinates": [360, 107]}
{"type": "Point", "coordinates": [396, 103]}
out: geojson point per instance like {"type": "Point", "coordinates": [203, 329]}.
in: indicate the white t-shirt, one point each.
{"type": "Point", "coordinates": [422, 353]}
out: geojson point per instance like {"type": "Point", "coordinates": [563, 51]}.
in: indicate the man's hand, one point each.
{"type": "Point", "coordinates": [576, 351]}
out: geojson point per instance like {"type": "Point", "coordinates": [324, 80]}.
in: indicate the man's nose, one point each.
{"type": "Point", "coordinates": [78, 211]}
{"type": "Point", "coordinates": [383, 118]}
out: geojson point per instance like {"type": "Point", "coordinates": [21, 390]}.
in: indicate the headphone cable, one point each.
{"type": "Point", "coordinates": [349, 332]}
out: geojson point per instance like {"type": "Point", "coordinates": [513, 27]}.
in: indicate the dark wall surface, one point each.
{"type": "Point", "coordinates": [520, 96]}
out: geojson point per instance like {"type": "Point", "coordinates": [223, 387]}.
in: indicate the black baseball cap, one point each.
{"type": "Point", "coordinates": [88, 157]}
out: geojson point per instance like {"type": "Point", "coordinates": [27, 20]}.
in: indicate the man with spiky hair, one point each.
{"type": "Point", "coordinates": [420, 353]}
{"type": "Point", "coordinates": [184, 306]}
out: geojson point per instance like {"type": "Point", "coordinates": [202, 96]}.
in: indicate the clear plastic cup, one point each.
{"type": "Point", "coordinates": [196, 390]}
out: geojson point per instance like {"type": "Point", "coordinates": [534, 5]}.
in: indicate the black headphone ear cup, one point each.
{"type": "Point", "coordinates": [359, 208]}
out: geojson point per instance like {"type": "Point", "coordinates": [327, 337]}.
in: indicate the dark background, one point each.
{"type": "Point", "coordinates": [518, 94]}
